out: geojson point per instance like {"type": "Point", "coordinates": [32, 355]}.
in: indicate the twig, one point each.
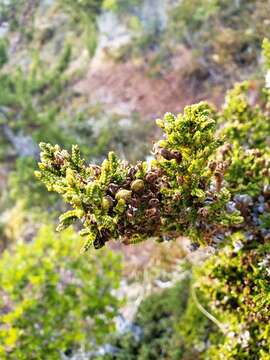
{"type": "Point", "coordinates": [206, 313]}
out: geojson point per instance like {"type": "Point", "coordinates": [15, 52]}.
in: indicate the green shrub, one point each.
{"type": "Point", "coordinates": [83, 15]}
{"type": "Point", "coordinates": [29, 102]}
{"type": "Point", "coordinates": [77, 7]}
{"type": "Point", "coordinates": [266, 52]}
{"type": "Point", "coordinates": [3, 52]}
{"type": "Point", "coordinates": [194, 332]}
{"type": "Point", "coordinates": [54, 300]}
{"type": "Point", "coordinates": [245, 124]}
{"type": "Point", "coordinates": [236, 285]}
{"type": "Point", "coordinates": [226, 35]}
{"type": "Point", "coordinates": [10, 12]}
{"type": "Point", "coordinates": [193, 14]}
{"type": "Point", "coordinates": [30, 98]}
{"type": "Point", "coordinates": [24, 186]}
{"type": "Point", "coordinates": [120, 6]}
{"type": "Point", "coordinates": [171, 327]}
{"type": "Point", "coordinates": [156, 318]}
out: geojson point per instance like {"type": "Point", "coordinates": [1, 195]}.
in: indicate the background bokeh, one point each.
{"type": "Point", "coordinates": [97, 73]}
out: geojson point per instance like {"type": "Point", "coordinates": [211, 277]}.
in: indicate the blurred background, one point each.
{"type": "Point", "coordinates": [97, 73]}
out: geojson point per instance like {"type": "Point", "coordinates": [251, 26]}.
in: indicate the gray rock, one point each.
{"type": "Point", "coordinates": [23, 144]}
{"type": "Point", "coordinates": [230, 207]}
{"type": "Point", "coordinates": [3, 29]}
{"type": "Point", "coordinates": [113, 33]}
{"type": "Point", "coordinates": [124, 326]}
{"type": "Point", "coordinates": [153, 15]}
{"type": "Point", "coordinates": [244, 199]}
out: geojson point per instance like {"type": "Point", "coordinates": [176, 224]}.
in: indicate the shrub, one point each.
{"type": "Point", "coordinates": [236, 285]}
{"type": "Point", "coordinates": [266, 52]}
{"type": "Point", "coordinates": [226, 35]}
{"type": "Point", "coordinates": [156, 318]}
{"type": "Point", "coordinates": [83, 15]}
{"type": "Point", "coordinates": [171, 327]}
{"type": "Point", "coordinates": [3, 53]}
{"type": "Point", "coordinates": [54, 300]}
{"type": "Point", "coordinates": [120, 6]}
{"type": "Point", "coordinates": [90, 7]}
{"type": "Point", "coordinates": [24, 186]}
{"type": "Point", "coordinates": [187, 188]}
{"type": "Point", "coordinates": [10, 12]}
{"type": "Point", "coordinates": [30, 97]}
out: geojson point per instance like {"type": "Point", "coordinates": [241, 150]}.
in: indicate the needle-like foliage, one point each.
{"type": "Point", "coordinates": [179, 193]}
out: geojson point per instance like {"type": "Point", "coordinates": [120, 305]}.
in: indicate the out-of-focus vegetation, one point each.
{"type": "Point", "coordinates": [226, 35]}
{"type": "Point", "coordinates": [236, 287]}
{"type": "Point", "coordinates": [172, 328]}
{"type": "Point", "coordinates": [58, 303]}
{"type": "Point", "coordinates": [54, 301]}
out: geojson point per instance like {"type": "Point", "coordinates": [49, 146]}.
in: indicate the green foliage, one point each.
{"type": "Point", "coordinates": [3, 52]}
{"type": "Point", "coordinates": [30, 100]}
{"type": "Point", "coordinates": [30, 110]}
{"type": "Point", "coordinates": [180, 190]}
{"type": "Point", "coordinates": [171, 327]}
{"type": "Point", "coordinates": [10, 12]}
{"type": "Point", "coordinates": [194, 14]}
{"type": "Point", "coordinates": [245, 124]}
{"type": "Point", "coordinates": [77, 7]}
{"type": "Point", "coordinates": [83, 15]}
{"type": "Point", "coordinates": [226, 35]}
{"type": "Point", "coordinates": [236, 285]}
{"type": "Point", "coordinates": [266, 52]}
{"type": "Point", "coordinates": [156, 318]}
{"type": "Point", "coordinates": [194, 332]}
{"type": "Point", "coordinates": [24, 186]}
{"type": "Point", "coordinates": [51, 299]}
{"type": "Point", "coordinates": [120, 5]}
